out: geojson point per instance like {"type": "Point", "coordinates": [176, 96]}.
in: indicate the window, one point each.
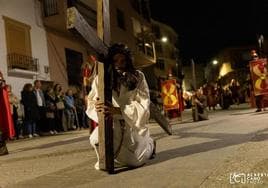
{"type": "Point", "coordinates": [18, 37]}
{"type": "Point", "coordinates": [120, 19]}
{"type": "Point", "coordinates": [74, 60]}
{"type": "Point", "coordinates": [50, 7]}
{"type": "Point", "coordinates": [19, 51]}
{"type": "Point", "coordinates": [149, 50]}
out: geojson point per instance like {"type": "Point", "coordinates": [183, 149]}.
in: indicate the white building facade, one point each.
{"type": "Point", "coordinates": [23, 46]}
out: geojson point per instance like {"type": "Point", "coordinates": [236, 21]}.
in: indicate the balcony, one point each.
{"type": "Point", "coordinates": [22, 65]}
{"type": "Point", "coordinates": [55, 13]}
{"type": "Point", "coordinates": [145, 53]}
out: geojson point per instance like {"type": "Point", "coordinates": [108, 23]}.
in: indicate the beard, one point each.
{"type": "Point", "coordinates": [126, 78]}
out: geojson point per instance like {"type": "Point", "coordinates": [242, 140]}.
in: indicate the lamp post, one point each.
{"type": "Point", "coordinates": [215, 62]}
{"type": "Point", "coordinates": [164, 39]}
{"type": "Point", "coordinates": [215, 70]}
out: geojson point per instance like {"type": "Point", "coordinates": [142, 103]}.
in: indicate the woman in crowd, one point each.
{"type": "Point", "coordinates": [29, 102]}
{"type": "Point", "coordinates": [51, 110]}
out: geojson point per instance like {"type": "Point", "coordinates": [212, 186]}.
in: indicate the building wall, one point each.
{"type": "Point", "coordinates": [118, 34]}
{"type": "Point", "coordinates": [59, 38]}
{"type": "Point", "coordinates": [27, 12]}
{"type": "Point", "coordinates": [127, 35]}
{"type": "Point", "coordinates": [57, 58]}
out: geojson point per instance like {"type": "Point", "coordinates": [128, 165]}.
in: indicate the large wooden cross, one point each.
{"type": "Point", "coordinates": [99, 42]}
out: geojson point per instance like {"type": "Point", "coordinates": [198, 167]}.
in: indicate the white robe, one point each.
{"type": "Point", "coordinates": [137, 145]}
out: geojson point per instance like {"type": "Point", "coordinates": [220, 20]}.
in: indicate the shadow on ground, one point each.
{"type": "Point", "coordinates": [223, 140]}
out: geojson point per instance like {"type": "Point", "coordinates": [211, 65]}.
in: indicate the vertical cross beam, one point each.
{"type": "Point", "coordinates": [99, 42]}
{"type": "Point", "coordinates": [105, 123]}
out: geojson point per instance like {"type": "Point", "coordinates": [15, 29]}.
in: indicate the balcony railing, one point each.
{"type": "Point", "coordinates": [50, 7]}
{"type": "Point", "coordinates": [22, 62]}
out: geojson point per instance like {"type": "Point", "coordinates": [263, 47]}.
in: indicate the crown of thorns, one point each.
{"type": "Point", "coordinates": [119, 48]}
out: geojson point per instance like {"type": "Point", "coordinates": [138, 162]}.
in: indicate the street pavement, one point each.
{"type": "Point", "coordinates": [228, 150]}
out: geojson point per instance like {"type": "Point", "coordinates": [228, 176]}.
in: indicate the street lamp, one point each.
{"type": "Point", "coordinates": [214, 62]}
{"type": "Point", "coordinates": [164, 39]}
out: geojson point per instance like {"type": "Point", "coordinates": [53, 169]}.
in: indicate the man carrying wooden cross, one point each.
{"type": "Point", "coordinates": [130, 110]}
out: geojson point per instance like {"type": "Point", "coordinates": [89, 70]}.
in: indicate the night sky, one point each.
{"type": "Point", "coordinates": [205, 27]}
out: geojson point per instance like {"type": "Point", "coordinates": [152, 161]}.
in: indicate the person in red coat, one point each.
{"type": "Point", "coordinates": [6, 123]}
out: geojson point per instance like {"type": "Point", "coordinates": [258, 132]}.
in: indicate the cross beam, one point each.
{"type": "Point", "coordinates": [99, 42]}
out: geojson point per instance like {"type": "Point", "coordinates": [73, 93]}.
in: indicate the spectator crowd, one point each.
{"type": "Point", "coordinates": [39, 112]}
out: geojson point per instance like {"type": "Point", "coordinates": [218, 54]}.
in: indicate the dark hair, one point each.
{"type": "Point", "coordinates": [55, 87]}
{"type": "Point", "coordinates": [130, 78]}
{"type": "Point", "coordinates": [119, 48]}
{"type": "Point", "coordinates": [27, 87]}
{"type": "Point", "coordinates": [35, 82]}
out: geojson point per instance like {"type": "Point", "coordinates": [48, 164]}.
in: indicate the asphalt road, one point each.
{"type": "Point", "coordinates": [223, 151]}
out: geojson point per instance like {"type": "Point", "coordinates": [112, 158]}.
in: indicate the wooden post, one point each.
{"type": "Point", "coordinates": [106, 22]}
{"type": "Point", "coordinates": [194, 85]}
{"type": "Point", "coordinates": [105, 124]}
{"type": "Point", "coordinates": [99, 43]}
{"type": "Point", "coordinates": [100, 19]}
{"type": "Point", "coordinates": [160, 119]}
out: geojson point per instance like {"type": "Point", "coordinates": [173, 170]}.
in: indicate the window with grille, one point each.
{"type": "Point", "coordinates": [18, 40]}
